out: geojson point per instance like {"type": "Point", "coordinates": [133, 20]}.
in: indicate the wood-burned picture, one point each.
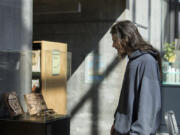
{"type": "Point", "coordinates": [13, 104]}
{"type": "Point", "coordinates": [36, 61]}
{"type": "Point", "coordinates": [35, 103]}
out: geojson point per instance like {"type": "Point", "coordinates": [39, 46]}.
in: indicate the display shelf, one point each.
{"type": "Point", "coordinates": [170, 83]}
{"type": "Point", "coordinates": [171, 73]}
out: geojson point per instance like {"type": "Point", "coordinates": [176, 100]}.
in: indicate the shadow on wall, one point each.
{"type": "Point", "coordinates": [93, 95]}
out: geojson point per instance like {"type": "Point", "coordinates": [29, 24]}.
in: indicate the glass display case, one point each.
{"type": "Point", "coordinates": [33, 90]}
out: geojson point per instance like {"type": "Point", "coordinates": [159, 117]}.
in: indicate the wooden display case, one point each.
{"type": "Point", "coordinates": [52, 74]}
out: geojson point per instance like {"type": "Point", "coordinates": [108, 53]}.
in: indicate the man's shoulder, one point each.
{"type": "Point", "coordinates": [144, 59]}
{"type": "Point", "coordinates": [147, 58]}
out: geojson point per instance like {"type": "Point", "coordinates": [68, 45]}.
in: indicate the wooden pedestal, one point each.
{"type": "Point", "coordinates": [29, 126]}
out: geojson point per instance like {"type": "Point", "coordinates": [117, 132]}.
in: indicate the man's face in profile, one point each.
{"type": "Point", "coordinates": [118, 46]}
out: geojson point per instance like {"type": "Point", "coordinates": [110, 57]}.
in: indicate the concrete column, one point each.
{"type": "Point", "coordinates": [15, 36]}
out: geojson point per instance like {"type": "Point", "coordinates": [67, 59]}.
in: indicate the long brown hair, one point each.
{"type": "Point", "coordinates": [127, 31]}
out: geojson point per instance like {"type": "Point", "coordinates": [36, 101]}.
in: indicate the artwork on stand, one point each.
{"type": "Point", "coordinates": [12, 103]}
{"type": "Point", "coordinates": [35, 103]}
{"type": "Point", "coordinates": [36, 61]}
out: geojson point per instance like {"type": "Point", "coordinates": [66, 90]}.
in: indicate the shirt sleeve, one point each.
{"type": "Point", "coordinates": [148, 104]}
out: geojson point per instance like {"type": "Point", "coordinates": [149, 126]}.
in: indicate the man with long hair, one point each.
{"type": "Point", "coordinates": [139, 108]}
